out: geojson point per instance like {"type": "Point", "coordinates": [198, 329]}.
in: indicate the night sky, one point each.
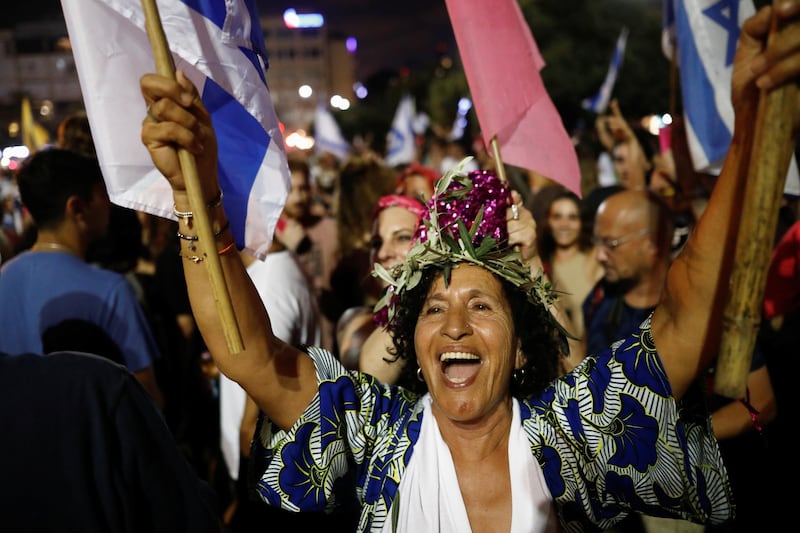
{"type": "Point", "coordinates": [390, 34]}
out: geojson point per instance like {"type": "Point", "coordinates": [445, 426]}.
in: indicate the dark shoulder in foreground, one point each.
{"type": "Point", "coordinates": [86, 449]}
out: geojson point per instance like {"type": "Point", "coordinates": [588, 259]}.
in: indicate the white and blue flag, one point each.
{"type": "Point", "coordinates": [599, 102]}
{"type": "Point", "coordinates": [705, 34]}
{"type": "Point", "coordinates": [220, 47]}
{"type": "Point", "coordinates": [401, 142]}
{"type": "Point", "coordinates": [327, 134]}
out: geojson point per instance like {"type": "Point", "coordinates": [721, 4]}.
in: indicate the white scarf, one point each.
{"type": "Point", "coordinates": [429, 498]}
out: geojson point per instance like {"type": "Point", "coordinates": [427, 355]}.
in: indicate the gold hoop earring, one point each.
{"type": "Point", "coordinates": [419, 375]}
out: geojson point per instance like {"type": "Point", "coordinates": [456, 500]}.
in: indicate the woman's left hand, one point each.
{"type": "Point", "coordinates": [521, 228]}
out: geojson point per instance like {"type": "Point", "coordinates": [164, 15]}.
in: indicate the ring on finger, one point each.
{"type": "Point", "coordinates": [515, 211]}
{"type": "Point", "coordinates": [151, 116]}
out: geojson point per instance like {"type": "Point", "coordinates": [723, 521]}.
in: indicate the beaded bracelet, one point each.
{"type": "Point", "coordinates": [216, 201]}
{"type": "Point", "coordinates": [199, 258]}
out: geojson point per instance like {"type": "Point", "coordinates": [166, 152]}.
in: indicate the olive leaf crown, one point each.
{"type": "Point", "coordinates": [448, 235]}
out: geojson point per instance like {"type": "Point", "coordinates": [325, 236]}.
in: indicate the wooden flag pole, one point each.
{"type": "Point", "coordinates": [166, 67]}
{"type": "Point", "coordinates": [769, 162]}
{"type": "Point", "coordinates": [501, 169]}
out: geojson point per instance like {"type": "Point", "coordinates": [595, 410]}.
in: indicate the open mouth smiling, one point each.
{"type": "Point", "coordinates": [459, 367]}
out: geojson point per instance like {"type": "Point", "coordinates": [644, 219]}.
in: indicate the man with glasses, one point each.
{"type": "Point", "coordinates": [632, 237]}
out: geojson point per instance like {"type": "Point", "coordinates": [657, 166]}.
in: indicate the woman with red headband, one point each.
{"type": "Point", "coordinates": [394, 224]}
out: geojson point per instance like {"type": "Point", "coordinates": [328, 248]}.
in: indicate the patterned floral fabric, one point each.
{"type": "Point", "coordinates": [609, 437]}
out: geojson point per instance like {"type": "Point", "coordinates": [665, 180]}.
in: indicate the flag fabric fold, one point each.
{"type": "Point", "coordinates": [401, 143]}
{"type": "Point", "coordinates": [599, 102]}
{"type": "Point", "coordinates": [219, 45]}
{"type": "Point", "coordinates": [705, 33]}
{"type": "Point", "coordinates": [502, 63]}
{"type": "Point", "coordinates": [328, 137]}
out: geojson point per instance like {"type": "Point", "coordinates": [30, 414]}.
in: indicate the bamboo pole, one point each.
{"type": "Point", "coordinates": [771, 153]}
{"type": "Point", "coordinates": [166, 67]}
{"type": "Point", "coordinates": [501, 169]}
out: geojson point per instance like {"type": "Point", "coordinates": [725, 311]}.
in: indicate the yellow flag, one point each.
{"type": "Point", "coordinates": [34, 136]}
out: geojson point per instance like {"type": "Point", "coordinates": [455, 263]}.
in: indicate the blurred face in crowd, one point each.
{"type": "Point", "coordinates": [392, 236]}
{"type": "Point", "coordinates": [621, 159]}
{"type": "Point", "coordinates": [418, 187]}
{"type": "Point", "coordinates": [299, 199]}
{"type": "Point", "coordinates": [564, 221]}
{"type": "Point", "coordinates": [630, 165]}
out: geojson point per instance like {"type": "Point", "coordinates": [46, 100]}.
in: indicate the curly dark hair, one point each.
{"type": "Point", "coordinates": [541, 341]}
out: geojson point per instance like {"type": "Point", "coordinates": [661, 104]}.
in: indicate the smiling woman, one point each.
{"type": "Point", "coordinates": [567, 254]}
{"type": "Point", "coordinates": [487, 447]}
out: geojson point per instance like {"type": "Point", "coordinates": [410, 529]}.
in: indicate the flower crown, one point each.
{"type": "Point", "coordinates": [465, 222]}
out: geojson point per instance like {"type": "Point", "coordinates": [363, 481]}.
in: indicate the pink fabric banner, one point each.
{"type": "Point", "coordinates": [502, 63]}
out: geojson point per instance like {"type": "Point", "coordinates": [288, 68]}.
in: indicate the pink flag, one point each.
{"type": "Point", "coordinates": [502, 63]}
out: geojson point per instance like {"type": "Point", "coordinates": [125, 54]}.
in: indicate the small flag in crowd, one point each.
{"type": "Point", "coordinates": [34, 135]}
{"type": "Point", "coordinates": [705, 34]}
{"type": "Point", "coordinates": [327, 135]}
{"type": "Point", "coordinates": [599, 102]}
{"type": "Point", "coordinates": [401, 142]}
{"type": "Point", "coordinates": [502, 64]}
{"type": "Point", "coordinates": [219, 45]}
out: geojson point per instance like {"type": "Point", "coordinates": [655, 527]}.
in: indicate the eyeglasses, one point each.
{"type": "Point", "coordinates": [613, 244]}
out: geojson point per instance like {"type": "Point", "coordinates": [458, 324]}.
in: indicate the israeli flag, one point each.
{"type": "Point", "coordinates": [401, 142]}
{"type": "Point", "coordinates": [599, 102]}
{"type": "Point", "coordinates": [220, 47]}
{"type": "Point", "coordinates": [327, 135]}
{"type": "Point", "coordinates": [706, 34]}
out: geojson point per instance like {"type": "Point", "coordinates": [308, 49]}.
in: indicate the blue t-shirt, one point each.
{"type": "Point", "coordinates": [39, 290]}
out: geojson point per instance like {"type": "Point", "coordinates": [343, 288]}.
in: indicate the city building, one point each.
{"type": "Point", "coordinates": [305, 56]}
{"type": "Point", "coordinates": [36, 61]}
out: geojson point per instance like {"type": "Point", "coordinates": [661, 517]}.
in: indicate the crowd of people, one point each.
{"type": "Point", "coordinates": [426, 347]}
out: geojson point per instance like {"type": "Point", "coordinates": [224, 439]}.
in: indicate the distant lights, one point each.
{"type": "Point", "coordinates": [305, 91]}
{"type": "Point", "coordinates": [340, 102]}
{"type": "Point", "coordinates": [47, 108]}
{"type": "Point", "coordinates": [293, 19]}
{"type": "Point", "coordinates": [654, 123]}
{"type": "Point", "coordinates": [12, 155]}
{"type": "Point", "coordinates": [300, 140]}
{"type": "Point", "coordinates": [360, 89]}
{"type": "Point", "coordinates": [351, 44]}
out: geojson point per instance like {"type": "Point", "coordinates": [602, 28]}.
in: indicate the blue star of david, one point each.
{"type": "Point", "coordinates": [726, 14]}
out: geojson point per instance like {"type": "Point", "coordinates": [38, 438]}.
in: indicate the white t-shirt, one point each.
{"type": "Point", "coordinates": [293, 312]}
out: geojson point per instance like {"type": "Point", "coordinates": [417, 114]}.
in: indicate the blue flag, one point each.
{"type": "Point", "coordinates": [599, 102]}
{"type": "Point", "coordinates": [705, 34]}
{"type": "Point", "coordinates": [220, 47]}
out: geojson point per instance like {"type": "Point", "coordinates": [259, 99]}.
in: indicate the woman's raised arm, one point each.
{"type": "Point", "coordinates": [277, 376]}
{"type": "Point", "coordinates": [687, 324]}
